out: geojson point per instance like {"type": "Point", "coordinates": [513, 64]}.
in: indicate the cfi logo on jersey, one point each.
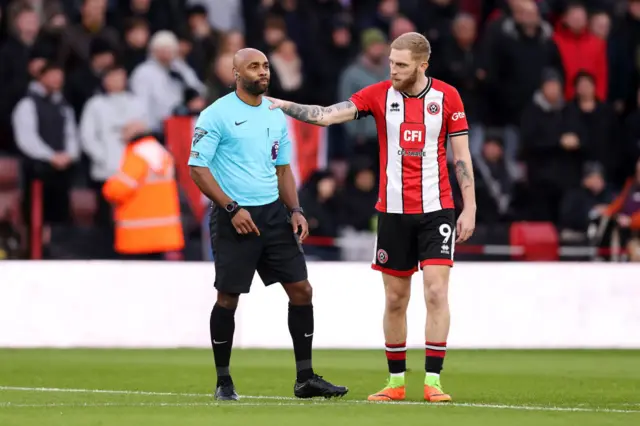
{"type": "Point", "coordinates": [274, 150]}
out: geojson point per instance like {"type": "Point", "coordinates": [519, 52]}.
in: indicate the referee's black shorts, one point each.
{"type": "Point", "coordinates": [276, 254]}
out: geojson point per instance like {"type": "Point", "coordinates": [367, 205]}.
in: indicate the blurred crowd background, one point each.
{"type": "Point", "coordinates": [550, 87]}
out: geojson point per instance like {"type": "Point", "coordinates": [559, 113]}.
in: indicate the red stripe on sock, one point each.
{"type": "Point", "coordinates": [396, 356]}
{"type": "Point", "coordinates": [443, 344]}
{"type": "Point", "coordinates": [395, 345]}
{"type": "Point", "coordinates": [435, 354]}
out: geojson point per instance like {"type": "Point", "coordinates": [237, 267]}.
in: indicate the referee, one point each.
{"type": "Point", "coordinates": [240, 160]}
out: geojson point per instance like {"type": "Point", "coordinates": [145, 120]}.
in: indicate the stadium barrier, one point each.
{"type": "Point", "coordinates": [167, 304]}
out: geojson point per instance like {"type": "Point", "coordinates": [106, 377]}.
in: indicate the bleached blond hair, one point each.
{"type": "Point", "coordinates": [416, 43]}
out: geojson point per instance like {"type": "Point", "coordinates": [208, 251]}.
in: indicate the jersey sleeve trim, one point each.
{"type": "Point", "coordinates": [459, 133]}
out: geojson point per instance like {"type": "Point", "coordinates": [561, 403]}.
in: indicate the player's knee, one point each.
{"type": "Point", "coordinates": [397, 301]}
{"type": "Point", "coordinates": [437, 294]}
{"type": "Point", "coordinates": [228, 300]}
{"type": "Point", "coordinates": [300, 293]}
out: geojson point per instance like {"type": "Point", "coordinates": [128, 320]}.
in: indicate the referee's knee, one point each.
{"type": "Point", "coordinates": [228, 300]}
{"type": "Point", "coordinates": [299, 293]}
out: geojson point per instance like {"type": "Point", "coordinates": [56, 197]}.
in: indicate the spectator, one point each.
{"type": "Point", "coordinates": [163, 69]}
{"type": "Point", "coordinates": [86, 80]}
{"type": "Point", "coordinates": [625, 212]}
{"type": "Point", "coordinates": [136, 37]}
{"type": "Point", "coordinates": [76, 48]}
{"type": "Point", "coordinates": [580, 50]}
{"type": "Point", "coordinates": [369, 68]}
{"type": "Point", "coordinates": [319, 200]}
{"type": "Point", "coordinates": [275, 32]}
{"type": "Point", "coordinates": [581, 206]}
{"type": "Point", "coordinates": [400, 25]}
{"type": "Point", "coordinates": [495, 183]}
{"type": "Point", "coordinates": [45, 131]}
{"type": "Point", "coordinates": [548, 152]}
{"type": "Point", "coordinates": [626, 33]}
{"type": "Point", "coordinates": [160, 15]}
{"type": "Point", "coordinates": [459, 66]}
{"type": "Point", "coordinates": [143, 229]}
{"type": "Point", "coordinates": [600, 26]}
{"type": "Point", "coordinates": [520, 51]}
{"type": "Point", "coordinates": [224, 15]}
{"type": "Point", "coordinates": [631, 149]}
{"type": "Point", "coordinates": [360, 196]}
{"type": "Point", "coordinates": [14, 60]}
{"type": "Point", "coordinates": [287, 77]}
{"type": "Point", "coordinates": [102, 127]}
{"type": "Point", "coordinates": [220, 81]}
{"type": "Point", "coordinates": [433, 18]}
{"type": "Point", "coordinates": [596, 125]}
{"type": "Point", "coordinates": [231, 42]}
{"type": "Point", "coordinates": [204, 39]}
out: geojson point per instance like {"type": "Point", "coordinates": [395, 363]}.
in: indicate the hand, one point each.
{"type": "Point", "coordinates": [298, 221]}
{"type": "Point", "coordinates": [243, 223]}
{"type": "Point", "coordinates": [465, 225]}
{"type": "Point", "coordinates": [624, 220]}
{"type": "Point", "coordinates": [601, 208]}
{"type": "Point", "coordinates": [570, 141]}
{"type": "Point", "coordinates": [60, 161]}
{"type": "Point", "coordinates": [275, 103]}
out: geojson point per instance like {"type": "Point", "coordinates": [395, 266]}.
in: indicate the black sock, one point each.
{"type": "Point", "coordinates": [434, 356]}
{"type": "Point", "coordinates": [222, 325]}
{"type": "Point", "coordinates": [301, 329]}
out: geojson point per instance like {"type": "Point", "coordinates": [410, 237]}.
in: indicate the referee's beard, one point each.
{"type": "Point", "coordinates": [255, 88]}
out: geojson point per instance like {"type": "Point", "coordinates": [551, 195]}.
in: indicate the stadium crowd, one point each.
{"type": "Point", "coordinates": [551, 91]}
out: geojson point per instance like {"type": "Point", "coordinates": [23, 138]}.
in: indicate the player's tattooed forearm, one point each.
{"type": "Point", "coordinates": [306, 113]}
{"type": "Point", "coordinates": [462, 173]}
{"type": "Point", "coordinates": [315, 114]}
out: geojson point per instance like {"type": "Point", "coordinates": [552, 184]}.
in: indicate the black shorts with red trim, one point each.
{"type": "Point", "coordinates": [408, 241]}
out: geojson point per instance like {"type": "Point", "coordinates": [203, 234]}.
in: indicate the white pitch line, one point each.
{"type": "Point", "coordinates": [284, 398]}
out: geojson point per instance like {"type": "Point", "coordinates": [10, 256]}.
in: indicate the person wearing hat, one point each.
{"type": "Point", "coordinates": [369, 68]}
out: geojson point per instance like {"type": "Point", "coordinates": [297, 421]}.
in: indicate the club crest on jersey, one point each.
{"type": "Point", "coordinates": [382, 256]}
{"type": "Point", "coordinates": [433, 108]}
{"type": "Point", "coordinates": [198, 134]}
{"type": "Point", "coordinates": [274, 150]}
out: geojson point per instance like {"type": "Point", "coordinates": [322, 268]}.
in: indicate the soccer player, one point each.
{"type": "Point", "coordinates": [240, 160]}
{"type": "Point", "coordinates": [415, 115]}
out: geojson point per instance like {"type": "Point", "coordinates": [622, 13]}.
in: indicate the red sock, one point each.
{"type": "Point", "coordinates": [396, 357]}
{"type": "Point", "coordinates": [434, 356]}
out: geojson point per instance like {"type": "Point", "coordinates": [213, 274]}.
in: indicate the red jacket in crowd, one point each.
{"type": "Point", "coordinates": [579, 52]}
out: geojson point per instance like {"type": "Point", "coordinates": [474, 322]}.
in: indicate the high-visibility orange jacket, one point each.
{"type": "Point", "coordinates": [145, 195]}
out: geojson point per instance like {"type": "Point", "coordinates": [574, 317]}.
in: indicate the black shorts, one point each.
{"type": "Point", "coordinates": [276, 254]}
{"type": "Point", "coordinates": [406, 241]}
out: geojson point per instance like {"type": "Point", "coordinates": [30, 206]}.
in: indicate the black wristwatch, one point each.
{"type": "Point", "coordinates": [297, 210]}
{"type": "Point", "coordinates": [232, 208]}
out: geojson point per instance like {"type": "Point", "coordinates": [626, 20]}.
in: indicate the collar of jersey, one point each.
{"type": "Point", "coordinates": [421, 94]}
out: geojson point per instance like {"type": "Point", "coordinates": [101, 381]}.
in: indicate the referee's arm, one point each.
{"type": "Point", "coordinates": [208, 185]}
{"type": "Point", "coordinates": [203, 150]}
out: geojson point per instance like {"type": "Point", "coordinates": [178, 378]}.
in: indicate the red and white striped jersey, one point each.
{"type": "Point", "coordinates": [412, 134]}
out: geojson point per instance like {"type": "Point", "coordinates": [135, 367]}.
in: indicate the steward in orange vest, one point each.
{"type": "Point", "coordinates": [144, 193]}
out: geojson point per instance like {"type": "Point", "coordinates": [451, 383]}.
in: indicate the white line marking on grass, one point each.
{"type": "Point", "coordinates": [133, 392]}
{"type": "Point", "coordinates": [277, 398]}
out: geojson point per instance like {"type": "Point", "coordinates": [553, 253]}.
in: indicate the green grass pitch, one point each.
{"type": "Point", "coordinates": [174, 387]}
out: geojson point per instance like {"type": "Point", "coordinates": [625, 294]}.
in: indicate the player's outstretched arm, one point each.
{"type": "Point", "coordinates": [464, 175]}
{"type": "Point", "coordinates": [315, 114]}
